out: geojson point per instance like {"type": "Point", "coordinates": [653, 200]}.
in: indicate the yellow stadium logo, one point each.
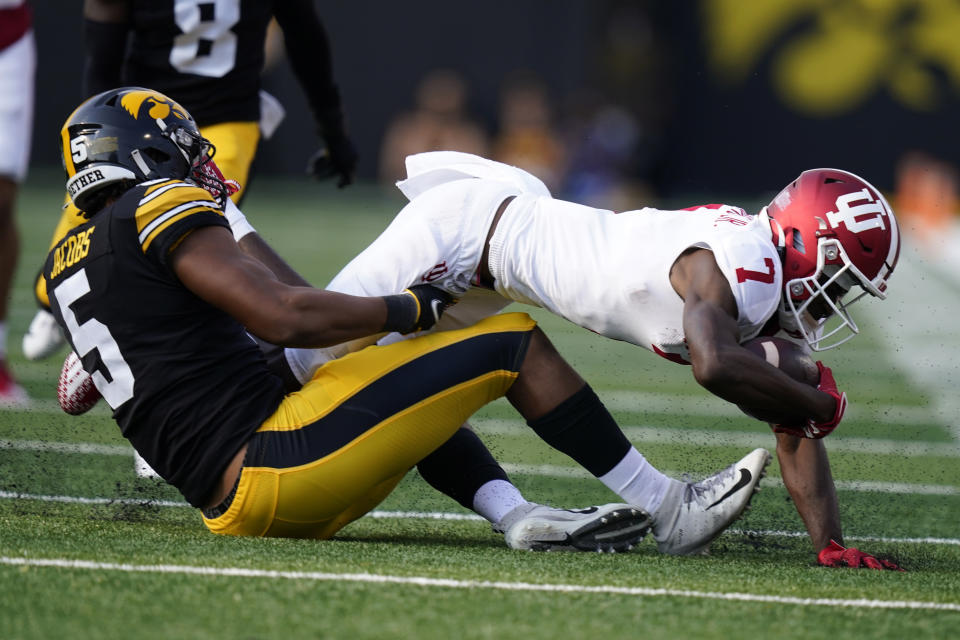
{"type": "Point", "coordinates": [828, 57]}
{"type": "Point", "coordinates": [152, 104]}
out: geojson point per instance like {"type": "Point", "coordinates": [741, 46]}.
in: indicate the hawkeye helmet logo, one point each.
{"type": "Point", "coordinates": [153, 105]}
{"type": "Point", "coordinates": [858, 211]}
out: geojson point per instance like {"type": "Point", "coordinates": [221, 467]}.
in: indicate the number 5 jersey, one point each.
{"type": "Point", "coordinates": [187, 385]}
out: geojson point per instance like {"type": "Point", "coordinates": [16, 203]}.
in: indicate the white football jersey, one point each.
{"type": "Point", "coordinates": [610, 272]}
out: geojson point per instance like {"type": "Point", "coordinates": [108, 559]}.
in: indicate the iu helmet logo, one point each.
{"type": "Point", "coordinates": [858, 211]}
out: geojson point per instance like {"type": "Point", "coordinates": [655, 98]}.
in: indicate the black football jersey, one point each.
{"type": "Point", "coordinates": [187, 385]}
{"type": "Point", "coordinates": [205, 55]}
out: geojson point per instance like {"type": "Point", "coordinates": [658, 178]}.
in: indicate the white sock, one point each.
{"type": "Point", "coordinates": [637, 481]}
{"type": "Point", "coordinates": [496, 499]}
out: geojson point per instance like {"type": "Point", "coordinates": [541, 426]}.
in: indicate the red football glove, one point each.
{"type": "Point", "coordinates": [836, 555]}
{"type": "Point", "coordinates": [207, 175]}
{"type": "Point", "coordinates": [817, 430]}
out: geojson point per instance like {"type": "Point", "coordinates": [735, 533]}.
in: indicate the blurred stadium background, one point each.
{"type": "Point", "coordinates": [699, 97]}
{"type": "Point", "coordinates": [615, 103]}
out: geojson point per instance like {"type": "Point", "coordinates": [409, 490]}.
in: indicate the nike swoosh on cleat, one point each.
{"type": "Point", "coordinates": [583, 511]}
{"type": "Point", "coordinates": [436, 306]}
{"type": "Point", "coordinates": [745, 478]}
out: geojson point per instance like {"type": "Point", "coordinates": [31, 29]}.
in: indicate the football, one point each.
{"type": "Point", "coordinates": [787, 356]}
{"type": "Point", "coordinates": [75, 390]}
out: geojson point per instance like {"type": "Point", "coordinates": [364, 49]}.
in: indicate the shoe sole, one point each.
{"type": "Point", "coordinates": [739, 514]}
{"type": "Point", "coordinates": [613, 532]}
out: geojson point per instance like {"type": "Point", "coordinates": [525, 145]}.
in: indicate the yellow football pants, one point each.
{"type": "Point", "coordinates": [335, 449]}
{"type": "Point", "coordinates": [236, 145]}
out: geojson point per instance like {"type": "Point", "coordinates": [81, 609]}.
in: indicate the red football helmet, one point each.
{"type": "Point", "coordinates": [833, 230]}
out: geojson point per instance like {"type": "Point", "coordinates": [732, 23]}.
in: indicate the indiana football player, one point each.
{"type": "Point", "coordinates": [691, 285]}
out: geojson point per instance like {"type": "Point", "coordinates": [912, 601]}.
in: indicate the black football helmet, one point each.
{"type": "Point", "coordinates": [123, 137]}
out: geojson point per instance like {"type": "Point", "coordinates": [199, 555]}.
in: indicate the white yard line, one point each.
{"type": "Point", "coordinates": [762, 436]}
{"type": "Point", "coordinates": [558, 471]}
{"type": "Point", "coordinates": [434, 515]}
{"type": "Point", "coordinates": [697, 405]}
{"type": "Point", "coordinates": [68, 447]}
{"type": "Point", "coordinates": [546, 470]}
{"type": "Point", "coordinates": [447, 583]}
{"type": "Point", "coordinates": [639, 434]}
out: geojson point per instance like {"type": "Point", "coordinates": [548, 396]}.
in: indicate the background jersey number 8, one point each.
{"type": "Point", "coordinates": [207, 46]}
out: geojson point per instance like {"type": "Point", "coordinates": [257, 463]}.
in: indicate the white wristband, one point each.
{"type": "Point", "coordinates": [238, 222]}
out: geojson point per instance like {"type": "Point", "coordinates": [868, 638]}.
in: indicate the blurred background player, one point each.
{"type": "Point", "coordinates": [526, 133]}
{"type": "Point", "coordinates": [440, 120]}
{"type": "Point", "coordinates": [17, 65]}
{"type": "Point", "coordinates": [208, 56]}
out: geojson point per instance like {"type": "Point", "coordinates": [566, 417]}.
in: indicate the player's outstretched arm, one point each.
{"type": "Point", "coordinates": [806, 475]}
{"type": "Point", "coordinates": [209, 263]}
{"type": "Point", "coordinates": [719, 362]}
{"type": "Point", "coordinates": [255, 246]}
{"type": "Point", "coordinates": [308, 49]}
{"type": "Point", "coordinates": [207, 175]}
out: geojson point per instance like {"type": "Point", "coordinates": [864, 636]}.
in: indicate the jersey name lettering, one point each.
{"type": "Point", "coordinates": [70, 252]}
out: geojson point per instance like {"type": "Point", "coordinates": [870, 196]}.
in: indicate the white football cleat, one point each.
{"type": "Point", "coordinates": [693, 514]}
{"type": "Point", "coordinates": [610, 528]}
{"type": "Point", "coordinates": [43, 338]}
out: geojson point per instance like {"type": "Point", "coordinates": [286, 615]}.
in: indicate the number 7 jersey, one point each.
{"type": "Point", "coordinates": [610, 272]}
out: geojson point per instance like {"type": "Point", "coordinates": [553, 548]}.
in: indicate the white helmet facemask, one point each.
{"type": "Point", "coordinates": [823, 318]}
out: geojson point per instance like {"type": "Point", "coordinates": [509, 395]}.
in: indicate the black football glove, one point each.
{"type": "Point", "coordinates": [337, 158]}
{"type": "Point", "coordinates": [416, 309]}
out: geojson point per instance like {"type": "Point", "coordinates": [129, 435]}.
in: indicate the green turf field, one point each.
{"type": "Point", "coordinates": [89, 551]}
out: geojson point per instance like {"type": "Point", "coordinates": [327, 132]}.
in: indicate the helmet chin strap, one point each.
{"type": "Point", "coordinates": [778, 237]}
{"type": "Point", "coordinates": [141, 163]}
